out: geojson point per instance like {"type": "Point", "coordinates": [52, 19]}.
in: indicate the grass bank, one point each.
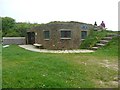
{"type": "Point", "coordinates": [94, 37]}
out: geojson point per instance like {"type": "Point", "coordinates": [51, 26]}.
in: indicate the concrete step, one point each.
{"type": "Point", "coordinates": [100, 44]}
{"type": "Point", "coordinates": [107, 38]}
{"type": "Point", "coordinates": [104, 41]}
{"type": "Point", "coordinates": [111, 35]}
{"type": "Point", "coordinates": [94, 48]}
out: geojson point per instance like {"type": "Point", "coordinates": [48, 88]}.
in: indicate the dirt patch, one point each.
{"type": "Point", "coordinates": [110, 84]}
{"type": "Point", "coordinates": [109, 65]}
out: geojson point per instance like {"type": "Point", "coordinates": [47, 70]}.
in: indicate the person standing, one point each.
{"type": "Point", "coordinates": [95, 26]}
{"type": "Point", "coordinates": [102, 25]}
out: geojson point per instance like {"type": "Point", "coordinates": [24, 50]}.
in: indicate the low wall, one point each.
{"type": "Point", "coordinates": [14, 40]}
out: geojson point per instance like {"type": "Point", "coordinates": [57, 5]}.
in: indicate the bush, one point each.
{"type": "Point", "coordinates": [12, 33]}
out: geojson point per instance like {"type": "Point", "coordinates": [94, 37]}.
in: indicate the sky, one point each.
{"type": "Point", "coordinates": [44, 11]}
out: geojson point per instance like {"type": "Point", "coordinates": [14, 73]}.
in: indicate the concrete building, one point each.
{"type": "Point", "coordinates": [59, 35]}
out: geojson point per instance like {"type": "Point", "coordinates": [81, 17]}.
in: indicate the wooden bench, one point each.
{"type": "Point", "coordinates": [38, 45]}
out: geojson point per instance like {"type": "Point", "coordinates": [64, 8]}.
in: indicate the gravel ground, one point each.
{"type": "Point", "coordinates": [33, 48]}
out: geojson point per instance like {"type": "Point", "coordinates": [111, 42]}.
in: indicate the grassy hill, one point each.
{"type": "Point", "coordinates": [94, 37]}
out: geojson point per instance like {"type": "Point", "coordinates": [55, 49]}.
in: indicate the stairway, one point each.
{"type": "Point", "coordinates": [102, 42]}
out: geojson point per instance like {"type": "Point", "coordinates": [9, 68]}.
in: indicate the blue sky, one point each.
{"type": "Point", "coordinates": [44, 11]}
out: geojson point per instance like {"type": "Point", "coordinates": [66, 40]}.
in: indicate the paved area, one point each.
{"type": "Point", "coordinates": [4, 46]}
{"type": "Point", "coordinates": [33, 48]}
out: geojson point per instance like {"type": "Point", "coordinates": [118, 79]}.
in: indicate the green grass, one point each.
{"type": "Point", "coordinates": [26, 69]}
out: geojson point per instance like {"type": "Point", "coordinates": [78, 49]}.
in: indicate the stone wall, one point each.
{"type": "Point", "coordinates": [14, 40]}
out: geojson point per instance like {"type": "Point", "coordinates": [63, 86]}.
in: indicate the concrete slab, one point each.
{"type": "Point", "coordinates": [32, 48]}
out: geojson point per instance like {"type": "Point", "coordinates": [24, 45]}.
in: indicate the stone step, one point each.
{"type": "Point", "coordinates": [104, 41]}
{"type": "Point", "coordinates": [94, 48]}
{"type": "Point", "coordinates": [100, 44]}
{"type": "Point", "coordinates": [110, 35]}
{"type": "Point", "coordinates": [107, 38]}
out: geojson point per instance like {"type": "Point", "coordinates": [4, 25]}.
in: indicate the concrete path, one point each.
{"type": "Point", "coordinates": [33, 48]}
{"type": "Point", "coordinates": [4, 46]}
